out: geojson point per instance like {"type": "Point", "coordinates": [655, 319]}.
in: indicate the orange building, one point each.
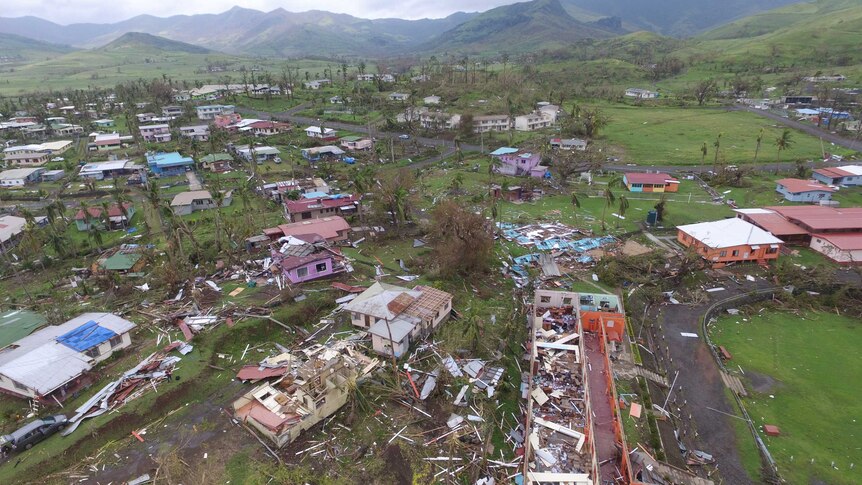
{"type": "Point", "coordinates": [730, 241]}
{"type": "Point", "coordinates": [650, 182]}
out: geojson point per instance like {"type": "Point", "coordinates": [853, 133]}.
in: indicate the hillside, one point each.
{"type": "Point", "coordinates": [520, 27]}
{"type": "Point", "coordinates": [17, 49]}
{"type": "Point", "coordinates": [245, 31]}
{"type": "Point", "coordinates": [138, 41]}
{"type": "Point", "coordinates": [825, 33]}
{"type": "Point", "coordinates": [678, 18]}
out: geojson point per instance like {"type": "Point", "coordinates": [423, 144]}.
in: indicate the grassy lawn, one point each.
{"type": "Point", "coordinates": [810, 364]}
{"type": "Point", "coordinates": [674, 136]}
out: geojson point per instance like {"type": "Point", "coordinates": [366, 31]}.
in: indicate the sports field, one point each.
{"type": "Point", "coordinates": [803, 372]}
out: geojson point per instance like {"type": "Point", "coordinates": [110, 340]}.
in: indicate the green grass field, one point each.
{"type": "Point", "coordinates": [811, 365]}
{"type": "Point", "coordinates": [674, 136]}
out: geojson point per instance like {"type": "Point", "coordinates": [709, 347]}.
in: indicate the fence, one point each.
{"type": "Point", "coordinates": [756, 295]}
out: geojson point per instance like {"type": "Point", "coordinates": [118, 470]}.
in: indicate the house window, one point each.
{"type": "Point", "coordinates": [545, 299]}
{"type": "Point", "coordinates": [93, 352]}
{"type": "Point", "coordinates": [735, 252]}
{"type": "Point", "coordinates": [306, 215]}
{"type": "Point", "coordinates": [115, 341]}
{"type": "Point", "coordinates": [301, 272]}
{"type": "Point", "coordinates": [19, 386]}
{"type": "Point", "coordinates": [771, 250]}
{"type": "Point", "coordinates": [367, 321]}
{"type": "Point", "coordinates": [321, 267]}
{"type": "Point", "coordinates": [567, 301]}
{"type": "Point", "coordinates": [722, 254]}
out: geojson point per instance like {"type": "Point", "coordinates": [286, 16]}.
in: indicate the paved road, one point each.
{"type": "Point", "coordinates": [290, 115]}
{"type": "Point", "coordinates": [811, 130]}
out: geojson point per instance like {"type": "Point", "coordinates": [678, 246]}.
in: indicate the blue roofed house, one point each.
{"type": "Point", "coordinates": [52, 363]}
{"type": "Point", "coordinates": [169, 164]}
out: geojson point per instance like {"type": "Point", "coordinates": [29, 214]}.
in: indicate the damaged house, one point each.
{"type": "Point", "coordinates": [301, 261]}
{"type": "Point", "coordinates": [53, 362]}
{"type": "Point", "coordinates": [394, 315]}
{"type": "Point", "coordinates": [282, 410]}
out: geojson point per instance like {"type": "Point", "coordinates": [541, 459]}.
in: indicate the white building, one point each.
{"type": "Point", "coordinates": [18, 177]}
{"type": "Point", "coordinates": [638, 93]}
{"type": "Point", "coordinates": [394, 315]}
{"type": "Point", "coordinates": [482, 124]}
{"type": "Point", "coordinates": [51, 360]}
{"type": "Point", "coordinates": [318, 132]}
{"type": "Point", "coordinates": [209, 112]}
{"type": "Point", "coordinates": [196, 132]}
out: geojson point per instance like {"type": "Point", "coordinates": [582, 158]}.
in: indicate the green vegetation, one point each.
{"type": "Point", "coordinates": [673, 136]}
{"type": "Point", "coordinates": [801, 369]}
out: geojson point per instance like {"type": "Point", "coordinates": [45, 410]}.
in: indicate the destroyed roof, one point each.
{"type": "Point", "coordinates": [121, 261]}
{"type": "Point", "coordinates": [727, 233]}
{"type": "Point", "coordinates": [86, 336]}
{"type": "Point", "coordinates": [398, 327]}
{"type": "Point", "coordinates": [17, 324]}
{"type": "Point", "coordinates": [293, 262]}
{"type": "Point", "coordinates": [376, 299]}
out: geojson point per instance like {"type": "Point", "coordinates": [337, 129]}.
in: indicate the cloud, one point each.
{"type": "Point", "coordinates": [107, 11]}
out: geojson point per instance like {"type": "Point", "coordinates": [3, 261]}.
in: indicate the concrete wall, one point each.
{"type": "Point", "coordinates": [381, 345]}
{"type": "Point", "coordinates": [825, 248]}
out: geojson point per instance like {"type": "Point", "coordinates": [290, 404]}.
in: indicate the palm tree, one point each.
{"type": "Point", "coordinates": [757, 148]}
{"type": "Point", "coordinates": [783, 142]}
{"type": "Point", "coordinates": [717, 145]}
{"type": "Point", "coordinates": [218, 199]}
{"type": "Point", "coordinates": [703, 151]}
{"type": "Point", "coordinates": [576, 204]}
{"type": "Point", "coordinates": [94, 233]}
{"type": "Point", "coordinates": [121, 199]}
{"type": "Point", "coordinates": [623, 207]}
{"type": "Point", "coordinates": [610, 198]}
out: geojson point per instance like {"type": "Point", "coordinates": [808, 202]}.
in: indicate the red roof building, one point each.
{"type": "Point", "coordinates": [304, 209]}
{"type": "Point", "coordinates": [650, 182]}
{"type": "Point", "coordinates": [332, 229]}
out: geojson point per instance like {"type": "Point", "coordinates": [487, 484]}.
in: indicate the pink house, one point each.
{"type": "Point", "coordinates": [513, 161]}
{"type": "Point", "coordinates": [307, 262]}
{"type": "Point", "coordinates": [223, 121]}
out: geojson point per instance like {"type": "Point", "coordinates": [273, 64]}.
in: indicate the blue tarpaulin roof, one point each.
{"type": "Point", "coordinates": [86, 336]}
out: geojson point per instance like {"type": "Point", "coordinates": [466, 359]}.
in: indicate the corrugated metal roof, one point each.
{"type": "Point", "coordinates": [17, 324]}
{"type": "Point", "coordinates": [121, 261]}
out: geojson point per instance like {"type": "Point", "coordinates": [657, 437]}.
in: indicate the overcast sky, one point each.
{"type": "Point", "coordinates": [104, 11]}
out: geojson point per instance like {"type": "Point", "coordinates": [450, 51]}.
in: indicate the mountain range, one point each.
{"type": "Point", "coordinates": [517, 27]}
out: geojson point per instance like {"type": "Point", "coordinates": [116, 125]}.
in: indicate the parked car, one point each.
{"type": "Point", "coordinates": [404, 136]}
{"type": "Point", "coordinates": [31, 433]}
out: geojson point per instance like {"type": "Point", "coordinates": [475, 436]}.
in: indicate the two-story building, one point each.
{"type": "Point", "coordinates": [512, 161]}
{"type": "Point", "coordinates": [730, 241]}
{"type": "Point", "coordinates": [395, 316]}
{"type": "Point", "coordinates": [33, 155]}
{"type": "Point", "coordinates": [320, 207]}
{"type": "Point", "coordinates": [18, 177]}
{"type": "Point", "coordinates": [486, 123]}
{"type": "Point", "coordinates": [159, 133]}
{"type": "Point", "coordinates": [209, 112]}
{"type": "Point", "coordinates": [196, 132]}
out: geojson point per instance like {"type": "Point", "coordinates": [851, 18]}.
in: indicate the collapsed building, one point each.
{"type": "Point", "coordinates": [572, 432]}
{"type": "Point", "coordinates": [303, 397]}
